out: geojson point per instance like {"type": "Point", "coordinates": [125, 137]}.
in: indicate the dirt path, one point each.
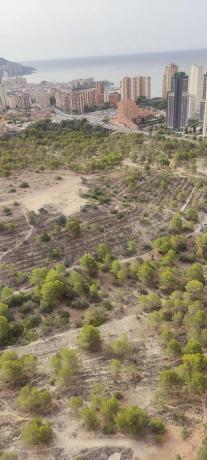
{"type": "Point", "coordinates": [49, 346]}
{"type": "Point", "coordinates": [73, 446]}
{"type": "Point", "coordinates": [30, 231]}
{"type": "Point", "coordinates": [185, 205]}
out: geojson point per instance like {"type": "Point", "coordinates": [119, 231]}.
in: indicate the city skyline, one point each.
{"type": "Point", "coordinates": [183, 96]}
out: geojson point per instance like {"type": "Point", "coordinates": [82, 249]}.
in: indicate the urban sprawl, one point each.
{"type": "Point", "coordinates": [182, 107]}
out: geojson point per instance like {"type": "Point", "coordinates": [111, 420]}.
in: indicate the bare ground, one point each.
{"type": "Point", "coordinates": [70, 439]}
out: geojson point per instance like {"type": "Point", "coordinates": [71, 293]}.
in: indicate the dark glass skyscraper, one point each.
{"type": "Point", "coordinates": [177, 102]}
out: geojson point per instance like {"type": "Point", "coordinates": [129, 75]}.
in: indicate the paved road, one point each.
{"type": "Point", "coordinates": [97, 118]}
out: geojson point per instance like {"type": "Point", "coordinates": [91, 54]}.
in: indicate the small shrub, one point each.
{"type": "Point", "coordinates": [36, 432]}
{"type": "Point", "coordinates": [75, 403]}
{"type": "Point", "coordinates": [120, 348]}
{"type": "Point", "coordinates": [89, 338]}
{"type": "Point", "coordinates": [131, 420]}
{"type": "Point", "coordinates": [89, 417]}
{"type": "Point", "coordinates": [24, 184]}
{"type": "Point", "coordinates": [95, 316]}
{"type": "Point", "coordinates": [31, 399]}
{"type": "Point", "coordinates": [157, 426]}
{"type": "Point", "coordinates": [66, 365]}
{"type": "Point", "coordinates": [44, 237]}
{"type": "Point", "coordinates": [8, 456]}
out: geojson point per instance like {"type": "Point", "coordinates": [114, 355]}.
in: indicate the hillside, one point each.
{"type": "Point", "coordinates": [14, 69]}
{"type": "Point", "coordinates": [103, 310]}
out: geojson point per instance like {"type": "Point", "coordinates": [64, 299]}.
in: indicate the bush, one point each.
{"type": "Point", "coordinates": [95, 316]}
{"type": "Point", "coordinates": [61, 220]}
{"type": "Point", "coordinates": [74, 226]}
{"type": "Point", "coordinates": [66, 365]}
{"type": "Point", "coordinates": [202, 451]}
{"type": "Point", "coordinates": [14, 370]}
{"type": "Point", "coordinates": [179, 243]}
{"type": "Point", "coordinates": [174, 347]}
{"type": "Point", "coordinates": [120, 348]}
{"type": "Point", "coordinates": [162, 244]}
{"type": "Point", "coordinates": [32, 399]}
{"type": "Point", "coordinates": [4, 310]}
{"type": "Point", "coordinates": [176, 224]}
{"type": "Point", "coordinates": [195, 272]}
{"type": "Point", "coordinates": [89, 338]}
{"type": "Point", "coordinates": [169, 380]}
{"type": "Point", "coordinates": [89, 417]}
{"type": "Point", "coordinates": [195, 289]}
{"type": "Point", "coordinates": [77, 282]}
{"type": "Point", "coordinates": [157, 426]}
{"type": "Point", "coordinates": [31, 321]}
{"type": "Point", "coordinates": [115, 367]}
{"type": "Point", "coordinates": [150, 302]}
{"type": "Point", "coordinates": [146, 273]}
{"type": "Point", "coordinates": [52, 291]}
{"type": "Point", "coordinates": [132, 420]}
{"type": "Point", "coordinates": [192, 347]}
{"type": "Point", "coordinates": [38, 276]}
{"type": "Point", "coordinates": [8, 456]}
{"type": "Point", "coordinates": [36, 432]}
{"type": "Point", "coordinates": [191, 214]}
{"type": "Point", "coordinates": [75, 403]}
{"type": "Point", "coordinates": [45, 237]}
{"type": "Point", "coordinates": [109, 409]}
{"type": "Point", "coordinates": [89, 263]}
{"type": "Point", "coordinates": [168, 279]}
{"type": "Point", "coordinates": [131, 247]}
{"type": "Point", "coordinates": [4, 329]}
{"type": "Point", "coordinates": [24, 185]}
{"type": "Point", "coordinates": [198, 383]}
{"type": "Point", "coordinates": [102, 251]}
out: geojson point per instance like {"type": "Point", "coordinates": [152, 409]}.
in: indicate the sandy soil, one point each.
{"type": "Point", "coordinates": [69, 435]}
{"type": "Point", "coordinates": [68, 432]}
{"type": "Point", "coordinates": [49, 346]}
{"type": "Point", "coordinates": [63, 195]}
{"type": "Point", "coordinates": [201, 166]}
{"type": "Point", "coordinates": [174, 445]}
{"type": "Point", "coordinates": [44, 191]}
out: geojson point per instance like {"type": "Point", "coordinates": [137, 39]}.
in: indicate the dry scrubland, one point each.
{"type": "Point", "coordinates": [103, 284]}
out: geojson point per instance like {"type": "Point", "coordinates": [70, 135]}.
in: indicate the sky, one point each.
{"type": "Point", "coordinates": [47, 29]}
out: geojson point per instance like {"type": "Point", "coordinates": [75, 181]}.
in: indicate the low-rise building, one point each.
{"type": "Point", "coordinates": [130, 115]}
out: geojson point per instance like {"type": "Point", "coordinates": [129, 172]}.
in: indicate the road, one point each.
{"type": "Point", "coordinates": [97, 118]}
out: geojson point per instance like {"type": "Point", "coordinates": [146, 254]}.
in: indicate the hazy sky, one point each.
{"type": "Point", "coordinates": [40, 29]}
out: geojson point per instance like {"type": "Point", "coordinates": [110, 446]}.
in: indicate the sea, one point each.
{"type": "Point", "coordinates": [114, 68]}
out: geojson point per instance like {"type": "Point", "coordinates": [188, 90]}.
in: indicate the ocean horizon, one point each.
{"type": "Point", "coordinates": [115, 67]}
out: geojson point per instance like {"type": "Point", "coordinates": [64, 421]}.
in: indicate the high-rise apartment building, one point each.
{"type": "Point", "coordinates": [99, 93]}
{"type": "Point", "coordinates": [134, 87]}
{"type": "Point", "coordinates": [77, 101]}
{"type": "Point", "coordinates": [170, 71]}
{"type": "Point", "coordinates": [19, 100]}
{"type": "Point", "coordinates": [205, 121]}
{"type": "Point", "coordinates": [195, 90]}
{"type": "Point", "coordinates": [143, 87]}
{"type": "Point", "coordinates": [3, 95]}
{"type": "Point", "coordinates": [126, 88]}
{"type": "Point", "coordinates": [42, 98]}
{"type": "Point", "coordinates": [202, 111]}
{"type": "Point", "coordinates": [204, 86]}
{"type": "Point", "coordinates": [112, 97]}
{"type": "Point", "coordinates": [178, 102]}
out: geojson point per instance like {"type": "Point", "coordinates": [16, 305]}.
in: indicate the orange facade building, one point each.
{"type": "Point", "coordinates": [130, 115]}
